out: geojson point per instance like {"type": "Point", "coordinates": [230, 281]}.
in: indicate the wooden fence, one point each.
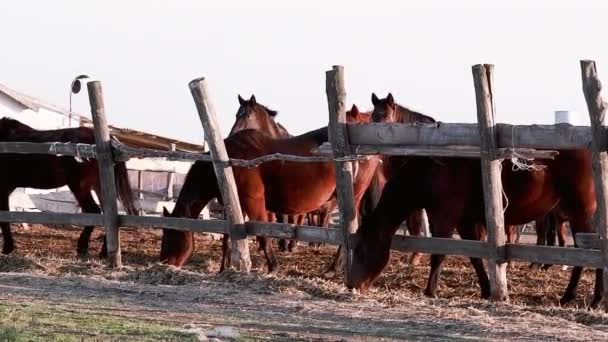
{"type": "Point", "coordinates": [486, 140]}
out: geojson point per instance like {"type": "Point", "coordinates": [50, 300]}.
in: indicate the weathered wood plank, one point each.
{"type": "Point", "coordinates": [492, 185]}
{"type": "Point", "coordinates": [554, 255]}
{"type": "Point", "coordinates": [106, 173]}
{"type": "Point", "coordinates": [592, 88]}
{"type": "Point", "coordinates": [469, 248]}
{"type": "Point", "coordinates": [588, 240]}
{"type": "Point", "coordinates": [290, 231]}
{"type": "Point", "coordinates": [177, 223]}
{"type": "Point", "coordinates": [547, 137]}
{"type": "Point", "coordinates": [124, 153]}
{"type": "Point", "coordinates": [338, 136]}
{"type": "Point", "coordinates": [442, 151]}
{"type": "Point", "coordinates": [52, 218]}
{"type": "Point", "coordinates": [53, 148]}
{"type": "Point", "coordinates": [240, 245]}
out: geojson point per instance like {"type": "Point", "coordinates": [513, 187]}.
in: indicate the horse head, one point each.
{"type": "Point", "coordinates": [387, 110]}
{"type": "Point", "coordinates": [356, 116]}
{"type": "Point", "coordinates": [252, 115]}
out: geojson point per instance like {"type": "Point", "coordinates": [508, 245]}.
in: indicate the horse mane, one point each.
{"type": "Point", "coordinates": [248, 139]}
{"type": "Point", "coordinates": [411, 116]}
{"type": "Point", "coordinates": [271, 112]}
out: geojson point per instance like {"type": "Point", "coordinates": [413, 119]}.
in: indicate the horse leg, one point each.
{"type": "Point", "coordinates": [414, 227]}
{"type": "Point", "coordinates": [87, 204]}
{"type": "Point", "coordinates": [511, 232]}
{"type": "Point", "coordinates": [598, 292]}
{"type": "Point", "coordinates": [271, 218]}
{"type": "Point", "coordinates": [293, 244]}
{"type": "Point", "coordinates": [8, 244]}
{"type": "Point", "coordinates": [282, 242]}
{"type": "Point", "coordinates": [578, 225]}
{"type": "Point", "coordinates": [562, 231]}
{"type": "Point", "coordinates": [469, 232]}
{"type": "Point", "coordinates": [440, 227]}
{"type": "Point", "coordinates": [541, 235]}
{"type": "Point", "coordinates": [552, 232]}
{"type": "Point", "coordinates": [226, 263]}
{"type": "Point", "coordinates": [256, 210]}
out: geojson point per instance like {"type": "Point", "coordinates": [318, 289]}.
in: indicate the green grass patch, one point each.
{"type": "Point", "coordinates": [36, 322]}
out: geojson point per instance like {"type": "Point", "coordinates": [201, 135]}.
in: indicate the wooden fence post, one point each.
{"type": "Point", "coordinates": [240, 246]}
{"type": "Point", "coordinates": [106, 173]}
{"type": "Point", "coordinates": [338, 136]}
{"type": "Point", "coordinates": [597, 112]}
{"type": "Point", "coordinates": [491, 176]}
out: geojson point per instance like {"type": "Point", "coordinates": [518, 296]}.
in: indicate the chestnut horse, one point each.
{"type": "Point", "coordinates": [43, 171]}
{"type": "Point", "coordinates": [450, 189]}
{"type": "Point", "coordinates": [278, 186]}
{"type": "Point", "coordinates": [253, 115]}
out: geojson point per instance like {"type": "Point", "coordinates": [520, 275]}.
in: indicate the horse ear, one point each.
{"type": "Point", "coordinates": [166, 212]}
{"type": "Point", "coordinates": [252, 100]}
{"type": "Point", "coordinates": [375, 99]}
{"type": "Point", "coordinates": [241, 100]}
{"type": "Point", "coordinates": [390, 100]}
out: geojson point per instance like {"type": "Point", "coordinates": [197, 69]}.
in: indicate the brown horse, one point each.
{"type": "Point", "coordinates": [50, 171]}
{"type": "Point", "coordinates": [253, 115]}
{"type": "Point", "coordinates": [451, 191]}
{"type": "Point", "coordinates": [282, 187]}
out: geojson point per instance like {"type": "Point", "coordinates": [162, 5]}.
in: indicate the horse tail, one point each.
{"type": "Point", "coordinates": [123, 188]}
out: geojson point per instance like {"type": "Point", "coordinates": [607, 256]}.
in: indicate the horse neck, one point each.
{"type": "Point", "coordinates": [401, 195]}
{"type": "Point", "coordinates": [200, 187]}
{"type": "Point", "coordinates": [409, 116]}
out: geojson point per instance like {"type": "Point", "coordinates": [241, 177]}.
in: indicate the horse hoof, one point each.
{"type": "Point", "coordinates": [82, 254]}
{"type": "Point", "coordinates": [8, 249]}
{"type": "Point", "coordinates": [566, 298]}
{"type": "Point", "coordinates": [103, 254]}
{"type": "Point", "coordinates": [485, 294]}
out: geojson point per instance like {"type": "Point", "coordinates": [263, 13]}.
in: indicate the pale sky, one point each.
{"type": "Point", "coordinates": [145, 53]}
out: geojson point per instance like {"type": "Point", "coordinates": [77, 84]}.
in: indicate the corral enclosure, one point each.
{"type": "Point", "coordinates": [261, 298]}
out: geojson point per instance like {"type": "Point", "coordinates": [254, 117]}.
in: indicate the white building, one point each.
{"type": "Point", "coordinates": [40, 114]}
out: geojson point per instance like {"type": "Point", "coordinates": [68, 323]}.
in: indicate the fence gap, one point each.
{"type": "Point", "coordinates": [338, 136]}
{"type": "Point", "coordinates": [106, 173]}
{"type": "Point", "coordinates": [492, 186]}
{"type": "Point", "coordinates": [597, 111]}
{"type": "Point", "coordinates": [225, 177]}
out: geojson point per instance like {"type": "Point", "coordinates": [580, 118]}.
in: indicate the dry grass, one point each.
{"type": "Point", "coordinates": [322, 308]}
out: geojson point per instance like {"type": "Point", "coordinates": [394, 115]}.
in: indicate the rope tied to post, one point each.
{"type": "Point", "coordinates": [520, 162]}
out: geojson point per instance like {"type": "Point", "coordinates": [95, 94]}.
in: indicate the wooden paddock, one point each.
{"type": "Point", "coordinates": [486, 140]}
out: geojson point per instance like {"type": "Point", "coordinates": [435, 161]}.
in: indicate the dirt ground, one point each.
{"type": "Point", "coordinates": [45, 293]}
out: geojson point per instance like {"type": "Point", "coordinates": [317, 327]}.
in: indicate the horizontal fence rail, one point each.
{"type": "Point", "coordinates": [549, 137]}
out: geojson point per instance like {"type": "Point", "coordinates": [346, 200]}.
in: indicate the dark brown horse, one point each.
{"type": "Point", "coordinates": [281, 187]}
{"type": "Point", "coordinates": [450, 189]}
{"type": "Point", "coordinates": [50, 171]}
